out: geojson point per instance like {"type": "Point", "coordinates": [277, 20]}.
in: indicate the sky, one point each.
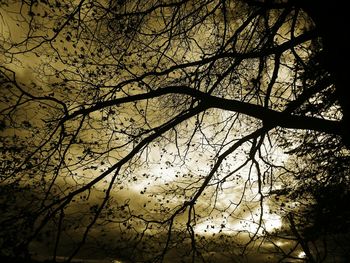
{"type": "Point", "coordinates": [161, 178]}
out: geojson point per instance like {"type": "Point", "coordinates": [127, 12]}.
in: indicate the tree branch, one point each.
{"type": "Point", "coordinates": [270, 117]}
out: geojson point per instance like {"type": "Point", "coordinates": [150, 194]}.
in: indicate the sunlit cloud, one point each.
{"type": "Point", "coordinates": [160, 128]}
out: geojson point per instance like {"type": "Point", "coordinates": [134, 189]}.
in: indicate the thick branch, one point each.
{"type": "Point", "coordinates": [276, 118]}
{"type": "Point", "coordinates": [268, 116]}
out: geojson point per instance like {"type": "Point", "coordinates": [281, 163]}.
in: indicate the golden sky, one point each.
{"type": "Point", "coordinates": [165, 173]}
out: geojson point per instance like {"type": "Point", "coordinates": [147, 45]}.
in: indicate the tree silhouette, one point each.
{"type": "Point", "coordinates": [148, 130]}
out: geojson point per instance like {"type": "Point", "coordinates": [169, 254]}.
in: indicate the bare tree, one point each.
{"type": "Point", "coordinates": [150, 129]}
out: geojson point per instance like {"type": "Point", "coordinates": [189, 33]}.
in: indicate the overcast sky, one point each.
{"type": "Point", "coordinates": [230, 212]}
